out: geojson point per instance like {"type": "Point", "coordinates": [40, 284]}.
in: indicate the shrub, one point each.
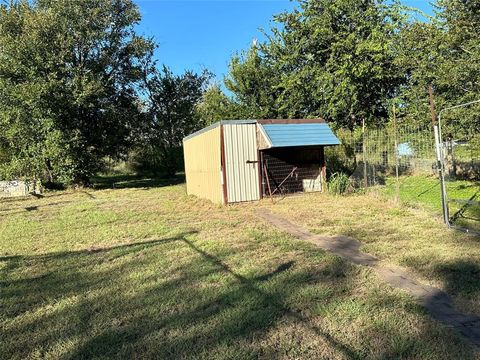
{"type": "Point", "coordinates": [156, 161]}
{"type": "Point", "coordinates": [338, 183]}
{"type": "Point", "coordinates": [341, 158]}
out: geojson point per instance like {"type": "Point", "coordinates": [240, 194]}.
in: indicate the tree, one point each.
{"type": "Point", "coordinates": [172, 115]}
{"type": "Point", "coordinates": [252, 80]}
{"type": "Point", "coordinates": [334, 59]}
{"type": "Point", "coordinates": [69, 73]}
{"type": "Point", "coordinates": [215, 106]}
{"type": "Point", "coordinates": [444, 52]}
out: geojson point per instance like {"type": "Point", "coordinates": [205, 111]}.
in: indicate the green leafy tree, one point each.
{"type": "Point", "coordinates": [253, 82]}
{"type": "Point", "coordinates": [69, 73]}
{"type": "Point", "coordinates": [418, 55]}
{"type": "Point", "coordinates": [334, 59]}
{"type": "Point", "coordinates": [444, 52]}
{"type": "Point", "coordinates": [215, 106]}
{"type": "Point", "coordinates": [172, 115]}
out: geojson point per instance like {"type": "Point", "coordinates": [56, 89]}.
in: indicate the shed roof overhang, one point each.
{"type": "Point", "coordinates": [294, 133]}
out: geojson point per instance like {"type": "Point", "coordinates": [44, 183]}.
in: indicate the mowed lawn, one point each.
{"type": "Point", "coordinates": [424, 190]}
{"type": "Point", "coordinates": [144, 271]}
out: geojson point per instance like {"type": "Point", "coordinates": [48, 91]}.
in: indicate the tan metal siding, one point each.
{"type": "Point", "coordinates": [242, 177]}
{"type": "Point", "coordinates": [203, 165]}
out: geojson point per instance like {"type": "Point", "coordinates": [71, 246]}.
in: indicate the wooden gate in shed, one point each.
{"type": "Point", "coordinates": [241, 165]}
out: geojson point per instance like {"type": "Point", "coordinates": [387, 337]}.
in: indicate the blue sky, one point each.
{"type": "Point", "coordinates": [197, 34]}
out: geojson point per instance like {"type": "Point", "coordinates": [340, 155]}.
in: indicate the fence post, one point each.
{"type": "Point", "coordinates": [439, 152]}
{"type": "Point", "coordinates": [364, 147]}
{"type": "Point", "coordinates": [397, 190]}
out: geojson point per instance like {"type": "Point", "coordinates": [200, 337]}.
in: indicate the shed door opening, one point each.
{"type": "Point", "coordinates": [291, 170]}
{"type": "Point", "coordinates": [241, 162]}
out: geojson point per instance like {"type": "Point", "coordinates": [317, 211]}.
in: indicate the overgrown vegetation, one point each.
{"type": "Point", "coordinates": [338, 183]}
{"type": "Point", "coordinates": [138, 270]}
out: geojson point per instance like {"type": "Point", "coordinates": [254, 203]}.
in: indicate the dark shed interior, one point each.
{"type": "Point", "coordinates": [289, 170]}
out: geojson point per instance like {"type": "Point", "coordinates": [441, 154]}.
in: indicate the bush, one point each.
{"type": "Point", "coordinates": [338, 183]}
{"type": "Point", "coordinates": [156, 161]}
{"type": "Point", "coordinates": [341, 158]}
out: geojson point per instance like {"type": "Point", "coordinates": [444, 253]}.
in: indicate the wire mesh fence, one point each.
{"type": "Point", "coordinates": [372, 155]}
{"type": "Point", "coordinates": [285, 172]}
{"type": "Point", "coordinates": [402, 159]}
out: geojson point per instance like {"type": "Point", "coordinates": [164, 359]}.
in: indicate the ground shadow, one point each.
{"type": "Point", "coordinates": [22, 209]}
{"type": "Point", "coordinates": [460, 277]}
{"type": "Point", "coordinates": [167, 313]}
{"type": "Point", "coordinates": [249, 307]}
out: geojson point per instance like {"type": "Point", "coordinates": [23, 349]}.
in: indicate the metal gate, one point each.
{"type": "Point", "coordinates": [291, 170]}
{"type": "Point", "coordinates": [458, 154]}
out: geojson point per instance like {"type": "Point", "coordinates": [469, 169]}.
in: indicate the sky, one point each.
{"type": "Point", "coordinates": [198, 34]}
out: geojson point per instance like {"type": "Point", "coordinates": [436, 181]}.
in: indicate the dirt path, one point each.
{"type": "Point", "coordinates": [438, 303]}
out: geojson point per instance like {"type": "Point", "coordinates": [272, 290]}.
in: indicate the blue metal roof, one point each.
{"type": "Point", "coordinates": [306, 134]}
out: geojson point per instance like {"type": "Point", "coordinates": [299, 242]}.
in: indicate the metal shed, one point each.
{"type": "Point", "coordinates": [244, 160]}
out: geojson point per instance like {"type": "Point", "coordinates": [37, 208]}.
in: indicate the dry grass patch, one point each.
{"type": "Point", "coordinates": [410, 237]}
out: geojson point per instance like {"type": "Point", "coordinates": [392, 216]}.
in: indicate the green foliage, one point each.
{"type": "Point", "coordinates": [172, 114]}
{"type": "Point", "coordinates": [444, 52]}
{"type": "Point", "coordinates": [215, 106]}
{"type": "Point", "coordinates": [329, 59]}
{"type": "Point", "coordinates": [68, 77]}
{"type": "Point", "coordinates": [155, 160]}
{"type": "Point", "coordinates": [341, 158]}
{"type": "Point", "coordinates": [348, 60]}
{"type": "Point", "coordinates": [338, 183]}
{"type": "Point", "coordinates": [252, 80]}
{"type": "Point", "coordinates": [474, 146]}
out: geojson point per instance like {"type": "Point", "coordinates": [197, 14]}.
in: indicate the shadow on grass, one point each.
{"type": "Point", "coordinates": [131, 300]}
{"type": "Point", "coordinates": [430, 188]}
{"type": "Point", "coordinates": [460, 277]}
{"type": "Point", "coordinates": [23, 209]}
{"type": "Point", "coordinates": [135, 181]}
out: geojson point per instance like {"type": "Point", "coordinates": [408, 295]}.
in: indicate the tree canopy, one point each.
{"type": "Point", "coordinates": [171, 113]}
{"type": "Point", "coordinates": [69, 71]}
{"type": "Point", "coordinates": [348, 60]}
{"type": "Point", "coordinates": [444, 52]}
{"type": "Point", "coordinates": [79, 85]}
{"type": "Point", "coordinates": [330, 59]}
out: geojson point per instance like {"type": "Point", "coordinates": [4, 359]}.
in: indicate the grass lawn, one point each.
{"type": "Point", "coordinates": [143, 271]}
{"type": "Point", "coordinates": [425, 191]}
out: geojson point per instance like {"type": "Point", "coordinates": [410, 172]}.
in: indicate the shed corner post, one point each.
{"type": "Point", "coordinates": [223, 167]}
{"type": "Point", "coordinates": [260, 174]}
{"type": "Point", "coordinates": [259, 162]}
{"type": "Point", "coordinates": [323, 168]}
